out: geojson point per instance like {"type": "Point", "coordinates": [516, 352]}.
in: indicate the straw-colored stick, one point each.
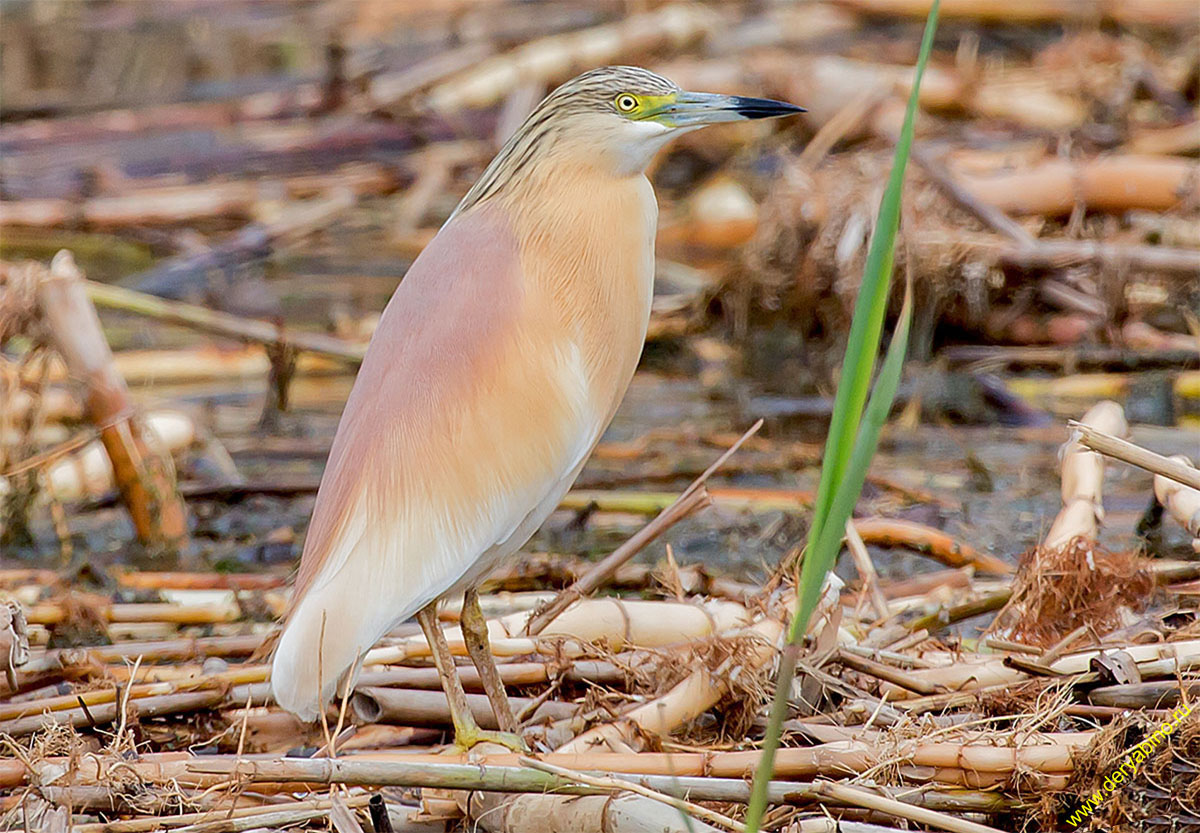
{"type": "Point", "coordinates": [603, 781]}
{"type": "Point", "coordinates": [693, 498]}
{"type": "Point", "coordinates": [1181, 502]}
{"type": "Point", "coordinates": [221, 323]}
{"type": "Point", "coordinates": [866, 570]}
{"type": "Point", "coordinates": [872, 801]}
{"type": "Point", "coordinates": [152, 823]}
{"type": "Point", "coordinates": [1135, 455]}
{"type": "Point", "coordinates": [1083, 478]}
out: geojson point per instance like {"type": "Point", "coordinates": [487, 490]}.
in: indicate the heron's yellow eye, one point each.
{"type": "Point", "coordinates": [626, 103]}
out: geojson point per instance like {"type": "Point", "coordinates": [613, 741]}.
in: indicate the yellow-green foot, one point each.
{"type": "Point", "coordinates": [466, 739]}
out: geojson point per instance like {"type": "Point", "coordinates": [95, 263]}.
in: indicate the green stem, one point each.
{"type": "Point", "coordinates": [852, 441]}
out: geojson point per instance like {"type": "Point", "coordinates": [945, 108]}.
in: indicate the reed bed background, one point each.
{"type": "Point", "coordinates": [743, 617]}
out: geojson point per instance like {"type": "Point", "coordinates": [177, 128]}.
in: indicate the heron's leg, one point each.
{"type": "Point", "coordinates": [475, 634]}
{"type": "Point", "coordinates": [466, 731]}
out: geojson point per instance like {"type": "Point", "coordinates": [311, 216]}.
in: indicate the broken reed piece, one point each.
{"type": "Point", "coordinates": [893, 532]}
{"type": "Point", "coordinates": [694, 497]}
{"type": "Point", "coordinates": [1113, 183]}
{"type": "Point", "coordinates": [1181, 502]}
{"type": "Point", "coordinates": [1083, 478]}
{"type": "Point", "coordinates": [222, 323]}
{"type": "Point", "coordinates": [554, 58]}
{"type": "Point", "coordinates": [143, 472]}
{"type": "Point", "coordinates": [426, 708]}
{"type": "Point", "coordinates": [1172, 468]}
{"type": "Point", "coordinates": [14, 640]}
{"type": "Point", "coordinates": [80, 468]}
{"type": "Point", "coordinates": [892, 807]}
{"type": "Point", "coordinates": [682, 805]}
{"type": "Point", "coordinates": [1165, 13]}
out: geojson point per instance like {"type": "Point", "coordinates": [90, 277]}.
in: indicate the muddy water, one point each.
{"type": "Point", "coordinates": [993, 487]}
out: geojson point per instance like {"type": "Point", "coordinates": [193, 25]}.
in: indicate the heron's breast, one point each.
{"type": "Point", "coordinates": [587, 254]}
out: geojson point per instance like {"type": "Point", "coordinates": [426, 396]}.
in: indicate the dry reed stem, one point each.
{"type": "Point", "coordinates": [1083, 479]}
{"type": "Point", "coordinates": [680, 804]}
{"type": "Point", "coordinates": [866, 570]}
{"type": "Point", "coordinates": [692, 498]}
{"type": "Point", "coordinates": [871, 801]}
{"type": "Point", "coordinates": [969, 677]}
{"type": "Point", "coordinates": [1181, 502]}
{"type": "Point", "coordinates": [1113, 183]}
{"type": "Point", "coordinates": [1172, 468]}
{"type": "Point", "coordinates": [557, 57]}
{"type": "Point", "coordinates": [929, 541]}
{"type": "Point", "coordinates": [142, 474]}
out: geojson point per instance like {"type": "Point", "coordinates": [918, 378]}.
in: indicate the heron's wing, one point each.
{"type": "Point", "coordinates": [468, 417]}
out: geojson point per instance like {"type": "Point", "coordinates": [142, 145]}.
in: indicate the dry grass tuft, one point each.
{"type": "Point", "coordinates": [1164, 793]}
{"type": "Point", "coordinates": [1080, 584]}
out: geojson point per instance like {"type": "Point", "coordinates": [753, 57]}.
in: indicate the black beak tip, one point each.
{"type": "Point", "coordinates": [764, 108]}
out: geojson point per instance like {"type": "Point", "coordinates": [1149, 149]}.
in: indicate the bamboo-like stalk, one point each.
{"type": "Point", "coordinates": [618, 623]}
{"type": "Point", "coordinates": [501, 771]}
{"type": "Point", "coordinates": [622, 813]}
{"type": "Point", "coordinates": [967, 676]}
{"type": "Point", "coordinates": [260, 815]}
{"type": "Point", "coordinates": [711, 776]}
{"type": "Point", "coordinates": [616, 784]}
{"type": "Point", "coordinates": [871, 801]}
{"type": "Point", "coordinates": [183, 203]}
{"type": "Point", "coordinates": [109, 712]}
{"type": "Point", "coordinates": [956, 613]}
{"type": "Point", "coordinates": [926, 539]}
{"type": "Point", "coordinates": [222, 323]}
{"type": "Point", "coordinates": [754, 500]}
{"type": "Point", "coordinates": [52, 613]}
{"type": "Point", "coordinates": [1083, 479]}
{"type": "Point", "coordinates": [1160, 694]}
{"type": "Point", "coordinates": [888, 673]}
{"type": "Point", "coordinates": [1181, 502]}
{"type": "Point", "coordinates": [692, 498]}
{"type": "Point", "coordinates": [1105, 443]}
{"type": "Point", "coordinates": [142, 473]}
{"type": "Point", "coordinates": [1113, 183]}
{"type": "Point", "coordinates": [511, 673]}
{"type": "Point", "coordinates": [168, 580]}
{"type": "Point", "coordinates": [417, 707]}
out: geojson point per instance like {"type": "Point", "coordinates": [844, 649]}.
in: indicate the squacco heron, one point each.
{"type": "Point", "coordinates": [495, 368]}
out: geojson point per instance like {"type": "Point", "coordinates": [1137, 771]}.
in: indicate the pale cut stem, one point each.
{"type": "Point", "coordinates": [221, 323]}
{"type": "Point", "coordinates": [872, 801]}
{"type": "Point", "coordinates": [692, 498]}
{"type": "Point", "coordinates": [1135, 455]}
{"type": "Point", "coordinates": [866, 569]}
{"type": "Point", "coordinates": [683, 805]}
{"type": "Point", "coordinates": [152, 823]}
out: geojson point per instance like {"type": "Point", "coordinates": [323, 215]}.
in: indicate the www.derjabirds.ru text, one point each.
{"type": "Point", "coordinates": [1128, 769]}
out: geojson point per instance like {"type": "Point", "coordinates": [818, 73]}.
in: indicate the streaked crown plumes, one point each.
{"type": "Point", "coordinates": [598, 92]}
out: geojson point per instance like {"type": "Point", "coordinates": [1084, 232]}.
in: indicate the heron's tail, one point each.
{"type": "Point", "coordinates": [321, 641]}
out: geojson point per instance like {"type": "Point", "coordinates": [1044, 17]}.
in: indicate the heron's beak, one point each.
{"type": "Point", "coordinates": [698, 109]}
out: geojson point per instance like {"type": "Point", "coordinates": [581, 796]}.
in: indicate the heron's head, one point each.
{"type": "Point", "coordinates": [628, 113]}
{"type": "Point", "coordinates": [615, 118]}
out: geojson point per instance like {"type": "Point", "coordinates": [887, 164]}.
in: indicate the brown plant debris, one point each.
{"type": "Point", "coordinates": [1080, 584]}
